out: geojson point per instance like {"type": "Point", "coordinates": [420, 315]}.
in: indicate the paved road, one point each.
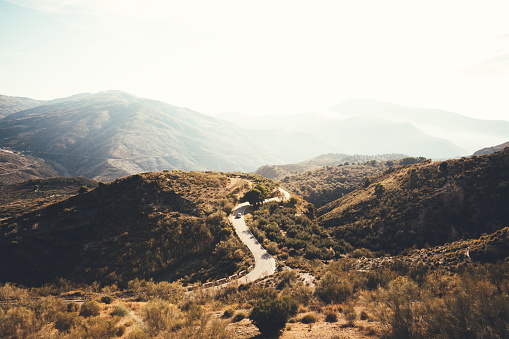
{"type": "Point", "coordinates": [264, 262]}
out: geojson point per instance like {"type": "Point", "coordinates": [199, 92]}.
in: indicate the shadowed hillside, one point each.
{"type": "Point", "coordinates": [142, 226]}
{"type": "Point", "coordinates": [429, 203]}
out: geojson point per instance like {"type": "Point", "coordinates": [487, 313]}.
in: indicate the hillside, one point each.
{"type": "Point", "coordinates": [325, 184]}
{"type": "Point", "coordinates": [152, 225]}
{"type": "Point", "coordinates": [112, 134]}
{"type": "Point", "coordinates": [493, 149]}
{"type": "Point", "coordinates": [279, 172]}
{"type": "Point", "coordinates": [15, 168]}
{"type": "Point", "coordinates": [9, 105]}
{"type": "Point", "coordinates": [428, 203]}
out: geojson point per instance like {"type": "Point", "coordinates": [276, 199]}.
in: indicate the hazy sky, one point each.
{"type": "Point", "coordinates": [262, 56]}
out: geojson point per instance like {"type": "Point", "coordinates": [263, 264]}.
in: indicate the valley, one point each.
{"type": "Point", "coordinates": [118, 214]}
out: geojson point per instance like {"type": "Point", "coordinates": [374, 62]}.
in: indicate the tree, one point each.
{"type": "Point", "coordinates": [379, 189]}
{"type": "Point", "coordinates": [83, 189]}
{"type": "Point", "coordinates": [257, 195]}
{"type": "Point", "coordinates": [271, 315]}
{"type": "Point", "coordinates": [253, 196]}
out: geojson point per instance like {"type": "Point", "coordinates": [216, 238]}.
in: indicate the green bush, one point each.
{"type": "Point", "coordinates": [332, 289]}
{"type": "Point", "coordinates": [271, 315]}
{"type": "Point", "coordinates": [308, 318]}
{"type": "Point", "coordinates": [90, 309]}
{"type": "Point", "coordinates": [120, 310]}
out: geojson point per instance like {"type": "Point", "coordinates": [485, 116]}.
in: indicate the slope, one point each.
{"type": "Point", "coordinates": [428, 203]}
{"type": "Point", "coordinates": [493, 149]}
{"type": "Point", "coordinates": [15, 168]}
{"type": "Point", "coordinates": [9, 105]}
{"type": "Point", "coordinates": [325, 184]}
{"type": "Point", "coordinates": [111, 134]}
{"type": "Point", "coordinates": [142, 226]}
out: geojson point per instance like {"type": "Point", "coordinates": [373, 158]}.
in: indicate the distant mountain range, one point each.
{"type": "Point", "coordinates": [373, 127]}
{"type": "Point", "coordinates": [111, 134]}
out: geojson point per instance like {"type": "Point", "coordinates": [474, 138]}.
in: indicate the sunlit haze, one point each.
{"type": "Point", "coordinates": [262, 57]}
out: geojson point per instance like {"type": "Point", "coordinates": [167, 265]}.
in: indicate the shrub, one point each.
{"type": "Point", "coordinates": [106, 299]}
{"type": "Point", "coordinates": [238, 317]}
{"type": "Point", "coordinates": [271, 315]}
{"type": "Point", "coordinates": [73, 307]}
{"type": "Point", "coordinates": [17, 322]}
{"type": "Point", "coordinates": [66, 321]}
{"type": "Point", "coordinates": [331, 289]}
{"type": "Point", "coordinates": [120, 330]}
{"type": "Point", "coordinates": [228, 313]}
{"type": "Point", "coordinates": [308, 318]}
{"type": "Point", "coordinates": [331, 317]}
{"type": "Point", "coordinates": [100, 327]}
{"type": "Point", "coordinates": [350, 314]}
{"type": "Point", "coordinates": [160, 316]}
{"type": "Point", "coordinates": [90, 309]}
{"type": "Point", "coordinates": [120, 310]}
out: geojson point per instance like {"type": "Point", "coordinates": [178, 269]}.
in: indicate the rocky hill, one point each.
{"type": "Point", "coordinates": [153, 225]}
{"type": "Point", "coordinates": [430, 203]}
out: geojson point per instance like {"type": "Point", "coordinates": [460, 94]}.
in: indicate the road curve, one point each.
{"type": "Point", "coordinates": [264, 262]}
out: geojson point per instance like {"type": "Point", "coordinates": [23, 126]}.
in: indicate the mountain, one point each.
{"type": "Point", "coordinates": [427, 203]}
{"type": "Point", "coordinates": [358, 134]}
{"type": "Point", "coordinates": [16, 168]}
{"type": "Point", "coordinates": [493, 149]}
{"type": "Point", "coordinates": [9, 105]}
{"type": "Point", "coordinates": [142, 226]}
{"type": "Point", "coordinates": [468, 133]}
{"type": "Point", "coordinates": [111, 134]}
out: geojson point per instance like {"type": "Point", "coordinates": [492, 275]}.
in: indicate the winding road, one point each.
{"type": "Point", "coordinates": [264, 262]}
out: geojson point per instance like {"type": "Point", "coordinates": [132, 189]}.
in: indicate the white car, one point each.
{"type": "Point", "coordinates": [239, 215]}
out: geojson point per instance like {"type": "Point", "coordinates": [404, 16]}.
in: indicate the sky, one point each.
{"type": "Point", "coordinates": [262, 57]}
